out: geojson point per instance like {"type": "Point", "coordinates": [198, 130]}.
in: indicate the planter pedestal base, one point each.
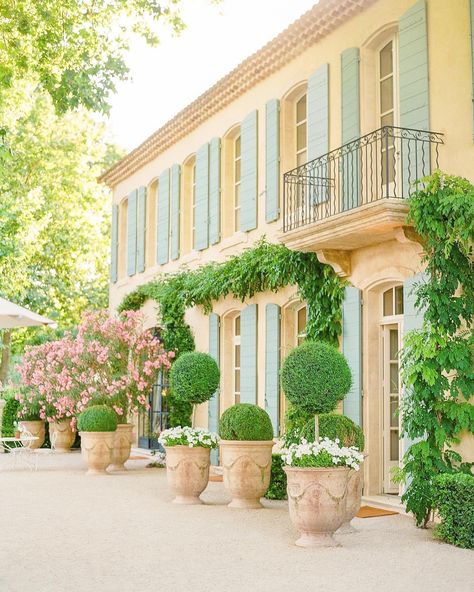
{"type": "Point", "coordinates": [346, 528]}
{"type": "Point", "coordinates": [185, 500]}
{"type": "Point", "coordinates": [316, 540]}
{"type": "Point", "coordinates": [245, 504]}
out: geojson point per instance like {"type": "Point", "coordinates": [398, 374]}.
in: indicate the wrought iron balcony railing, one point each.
{"type": "Point", "coordinates": [387, 163]}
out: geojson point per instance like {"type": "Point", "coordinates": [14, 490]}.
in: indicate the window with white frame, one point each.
{"type": "Point", "coordinates": [193, 202]}
{"type": "Point", "coordinates": [237, 181]}
{"type": "Point", "coordinates": [301, 131]}
{"type": "Point", "coordinates": [301, 321]}
{"type": "Point", "coordinates": [236, 359]}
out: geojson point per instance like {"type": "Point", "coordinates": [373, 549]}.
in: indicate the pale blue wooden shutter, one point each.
{"type": "Point", "coordinates": [350, 126]}
{"type": "Point", "coordinates": [163, 214]}
{"type": "Point", "coordinates": [213, 406]}
{"type": "Point", "coordinates": [414, 91]}
{"type": "Point", "coordinates": [248, 198]}
{"type": "Point", "coordinates": [214, 191]}
{"type": "Point", "coordinates": [272, 364]}
{"type": "Point", "coordinates": [272, 160]}
{"type": "Point", "coordinates": [352, 349]}
{"type": "Point", "coordinates": [472, 59]}
{"type": "Point", "coordinates": [141, 229]}
{"type": "Point", "coordinates": [114, 253]}
{"type": "Point", "coordinates": [248, 354]}
{"type": "Point", "coordinates": [201, 236]}
{"type": "Point", "coordinates": [318, 131]}
{"type": "Point", "coordinates": [132, 233]}
{"type": "Point", "coordinates": [175, 196]}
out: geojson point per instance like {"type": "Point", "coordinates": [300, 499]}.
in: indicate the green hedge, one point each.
{"type": "Point", "coordinates": [454, 500]}
{"type": "Point", "coordinates": [245, 421]}
{"type": "Point", "coordinates": [98, 418]}
{"type": "Point", "coordinates": [277, 487]}
{"type": "Point", "coordinates": [315, 376]}
{"type": "Point", "coordinates": [332, 426]}
{"type": "Point", "coordinates": [10, 416]}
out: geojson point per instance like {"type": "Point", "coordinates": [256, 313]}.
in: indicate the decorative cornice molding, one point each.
{"type": "Point", "coordinates": [315, 24]}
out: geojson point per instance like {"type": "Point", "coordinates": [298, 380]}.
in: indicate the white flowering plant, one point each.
{"type": "Point", "coordinates": [325, 453]}
{"type": "Point", "coordinates": [192, 437]}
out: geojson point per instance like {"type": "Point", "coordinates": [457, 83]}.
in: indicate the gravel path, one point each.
{"type": "Point", "coordinates": [62, 531]}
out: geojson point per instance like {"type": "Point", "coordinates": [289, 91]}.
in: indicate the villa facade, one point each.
{"type": "Point", "coordinates": [314, 141]}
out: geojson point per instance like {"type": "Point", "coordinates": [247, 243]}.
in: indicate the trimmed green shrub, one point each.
{"type": "Point", "coordinates": [180, 412]}
{"type": "Point", "coordinates": [454, 500]}
{"type": "Point", "coordinates": [245, 421]}
{"type": "Point", "coordinates": [10, 415]}
{"type": "Point", "coordinates": [194, 377]}
{"type": "Point", "coordinates": [98, 418]}
{"type": "Point", "coordinates": [332, 426]}
{"type": "Point", "coordinates": [315, 376]}
{"type": "Point", "coordinates": [295, 422]}
{"type": "Point", "coordinates": [277, 487]}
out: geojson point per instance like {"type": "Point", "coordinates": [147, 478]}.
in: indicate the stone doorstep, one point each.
{"type": "Point", "coordinates": [385, 502]}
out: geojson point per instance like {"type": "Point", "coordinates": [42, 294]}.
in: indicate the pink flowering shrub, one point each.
{"type": "Point", "coordinates": [110, 360]}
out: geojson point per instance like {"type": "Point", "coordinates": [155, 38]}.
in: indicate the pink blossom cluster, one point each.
{"type": "Point", "coordinates": [111, 359]}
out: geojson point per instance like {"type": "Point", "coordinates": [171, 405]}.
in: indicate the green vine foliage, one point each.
{"type": "Point", "coordinates": [437, 360]}
{"type": "Point", "coordinates": [264, 268]}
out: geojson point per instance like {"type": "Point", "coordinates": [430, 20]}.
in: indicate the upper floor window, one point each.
{"type": "Point", "coordinates": [237, 181]}
{"type": "Point", "coordinates": [301, 131]}
{"type": "Point", "coordinates": [193, 202]}
{"type": "Point", "coordinates": [386, 85]}
{"type": "Point", "coordinates": [122, 237]}
{"type": "Point", "coordinates": [393, 301]}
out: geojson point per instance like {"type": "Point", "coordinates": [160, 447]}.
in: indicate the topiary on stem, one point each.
{"type": "Point", "coordinates": [245, 421]}
{"type": "Point", "coordinates": [314, 377]}
{"type": "Point", "coordinates": [194, 378]}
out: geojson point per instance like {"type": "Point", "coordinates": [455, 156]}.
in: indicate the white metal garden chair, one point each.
{"type": "Point", "coordinates": [25, 452]}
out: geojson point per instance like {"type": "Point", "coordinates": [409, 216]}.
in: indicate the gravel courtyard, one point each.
{"type": "Point", "coordinates": [63, 531]}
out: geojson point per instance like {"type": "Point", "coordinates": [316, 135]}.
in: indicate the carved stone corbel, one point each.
{"type": "Point", "coordinates": [340, 261]}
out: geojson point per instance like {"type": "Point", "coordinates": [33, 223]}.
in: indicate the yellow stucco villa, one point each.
{"type": "Point", "coordinates": [314, 141]}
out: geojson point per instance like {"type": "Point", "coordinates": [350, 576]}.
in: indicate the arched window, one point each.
{"type": "Point", "coordinates": [237, 179]}
{"type": "Point", "coordinates": [301, 320]}
{"type": "Point", "coordinates": [393, 301]}
{"type": "Point", "coordinates": [301, 133]}
{"type": "Point", "coordinates": [122, 238]}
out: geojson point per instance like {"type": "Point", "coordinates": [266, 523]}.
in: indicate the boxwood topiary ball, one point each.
{"type": "Point", "coordinates": [315, 376]}
{"type": "Point", "coordinates": [194, 377]}
{"type": "Point", "coordinates": [97, 418]}
{"type": "Point", "coordinates": [332, 426]}
{"type": "Point", "coordinates": [245, 421]}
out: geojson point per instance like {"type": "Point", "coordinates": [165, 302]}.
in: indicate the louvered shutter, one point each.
{"type": "Point", "coordinates": [163, 213]}
{"type": "Point", "coordinates": [132, 233]}
{"type": "Point", "coordinates": [201, 236]}
{"type": "Point", "coordinates": [114, 250]}
{"type": "Point", "coordinates": [318, 132]}
{"type": "Point", "coordinates": [350, 127]}
{"type": "Point", "coordinates": [248, 199]}
{"type": "Point", "coordinates": [214, 191]}
{"type": "Point", "coordinates": [214, 350]}
{"type": "Point", "coordinates": [248, 354]}
{"type": "Point", "coordinates": [141, 229]}
{"type": "Point", "coordinates": [272, 364]}
{"type": "Point", "coordinates": [352, 349]}
{"type": "Point", "coordinates": [175, 197]}
{"type": "Point", "coordinates": [272, 160]}
{"type": "Point", "coordinates": [414, 93]}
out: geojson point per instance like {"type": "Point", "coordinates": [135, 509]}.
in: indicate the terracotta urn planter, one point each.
{"type": "Point", "coordinates": [122, 446]}
{"type": "Point", "coordinates": [187, 472]}
{"type": "Point", "coordinates": [247, 466]}
{"type": "Point", "coordinates": [96, 450]}
{"type": "Point", "coordinates": [35, 428]}
{"type": "Point", "coordinates": [353, 501]}
{"type": "Point", "coordinates": [317, 503]}
{"type": "Point", "coordinates": [61, 435]}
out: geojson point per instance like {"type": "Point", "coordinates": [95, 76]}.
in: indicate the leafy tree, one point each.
{"type": "Point", "coordinates": [54, 217]}
{"type": "Point", "coordinates": [75, 49]}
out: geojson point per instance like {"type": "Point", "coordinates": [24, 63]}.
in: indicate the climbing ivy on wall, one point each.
{"type": "Point", "coordinates": [437, 360]}
{"type": "Point", "coordinates": [264, 268]}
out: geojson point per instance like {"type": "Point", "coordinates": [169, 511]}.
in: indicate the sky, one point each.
{"type": "Point", "coordinates": [166, 78]}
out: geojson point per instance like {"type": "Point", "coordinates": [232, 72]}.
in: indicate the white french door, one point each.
{"type": "Point", "coordinates": [391, 390]}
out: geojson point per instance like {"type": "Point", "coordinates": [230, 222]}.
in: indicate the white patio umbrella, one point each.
{"type": "Point", "coordinates": [12, 315]}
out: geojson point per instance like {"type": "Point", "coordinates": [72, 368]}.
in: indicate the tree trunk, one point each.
{"type": "Point", "coordinates": [316, 428]}
{"type": "Point", "coordinates": [5, 361]}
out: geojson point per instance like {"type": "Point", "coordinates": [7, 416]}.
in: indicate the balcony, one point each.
{"type": "Point", "coordinates": [354, 196]}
